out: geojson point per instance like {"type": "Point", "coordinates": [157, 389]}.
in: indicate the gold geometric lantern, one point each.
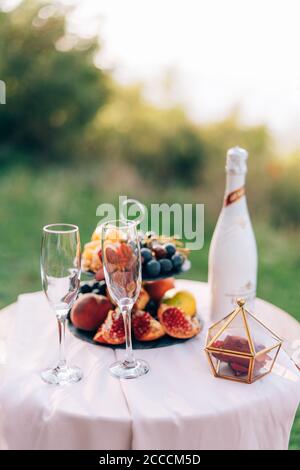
{"type": "Point", "coordinates": [240, 347]}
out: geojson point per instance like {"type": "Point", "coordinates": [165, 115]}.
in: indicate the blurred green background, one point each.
{"type": "Point", "coordinates": [72, 138]}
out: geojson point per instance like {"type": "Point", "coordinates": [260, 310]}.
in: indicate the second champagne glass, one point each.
{"type": "Point", "coordinates": [122, 269]}
{"type": "Point", "coordinates": [60, 271]}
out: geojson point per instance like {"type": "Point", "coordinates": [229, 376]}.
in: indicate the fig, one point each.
{"type": "Point", "coordinates": [112, 330]}
{"type": "Point", "coordinates": [145, 327]}
{"type": "Point", "coordinates": [177, 324]}
{"type": "Point", "coordinates": [90, 311]}
{"type": "Point", "coordinates": [111, 255]}
{"type": "Point", "coordinates": [119, 256]}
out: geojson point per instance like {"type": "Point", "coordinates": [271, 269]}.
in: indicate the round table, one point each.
{"type": "Point", "coordinates": [178, 405]}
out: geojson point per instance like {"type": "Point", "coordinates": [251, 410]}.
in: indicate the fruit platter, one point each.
{"type": "Point", "coordinates": [162, 314]}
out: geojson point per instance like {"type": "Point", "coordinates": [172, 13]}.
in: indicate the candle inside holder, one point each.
{"type": "Point", "coordinates": [240, 365]}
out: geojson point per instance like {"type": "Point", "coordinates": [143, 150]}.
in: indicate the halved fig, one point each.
{"type": "Point", "coordinates": [112, 330]}
{"type": "Point", "coordinates": [119, 256]}
{"type": "Point", "coordinates": [145, 327]}
{"type": "Point", "coordinates": [111, 255]}
{"type": "Point", "coordinates": [177, 324]}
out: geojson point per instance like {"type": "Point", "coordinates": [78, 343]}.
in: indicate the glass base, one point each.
{"type": "Point", "coordinates": [123, 371]}
{"type": "Point", "coordinates": [62, 375]}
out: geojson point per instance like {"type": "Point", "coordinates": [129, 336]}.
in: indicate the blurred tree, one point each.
{"type": "Point", "coordinates": [161, 143]}
{"type": "Point", "coordinates": [60, 106]}
{"type": "Point", "coordinates": [53, 87]}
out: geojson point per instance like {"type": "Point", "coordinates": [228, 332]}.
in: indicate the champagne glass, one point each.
{"type": "Point", "coordinates": [60, 272]}
{"type": "Point", "coordinates": [121, 258]}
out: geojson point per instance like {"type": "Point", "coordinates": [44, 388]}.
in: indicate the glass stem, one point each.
{"type": "Point", "coordinates": [129, 358]}
{"type": "Point", "coordinates": [61, 337]}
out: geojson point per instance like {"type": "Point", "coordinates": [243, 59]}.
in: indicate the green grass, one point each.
{"type": "Point", "coordinates": [30, 200]}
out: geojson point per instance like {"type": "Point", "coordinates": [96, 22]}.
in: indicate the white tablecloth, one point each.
{"type": "Point", "coordinates": [179, 405]}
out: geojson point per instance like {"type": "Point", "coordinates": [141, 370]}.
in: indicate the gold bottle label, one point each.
{"type": "Point", "coordinates": [234, 196]}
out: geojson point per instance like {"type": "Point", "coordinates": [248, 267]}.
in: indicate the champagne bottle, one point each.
{"type": "Point", "coordinates": [232, 270]}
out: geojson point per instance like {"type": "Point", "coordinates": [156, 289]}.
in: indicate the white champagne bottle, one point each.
{"type": "Point", "coordinates": [232, 266]}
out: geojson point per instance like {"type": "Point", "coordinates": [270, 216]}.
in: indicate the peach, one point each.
{"type": "Point", "coordinates": [90, 311]}
{"type": "Point", "coordinates": [156, 289]}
